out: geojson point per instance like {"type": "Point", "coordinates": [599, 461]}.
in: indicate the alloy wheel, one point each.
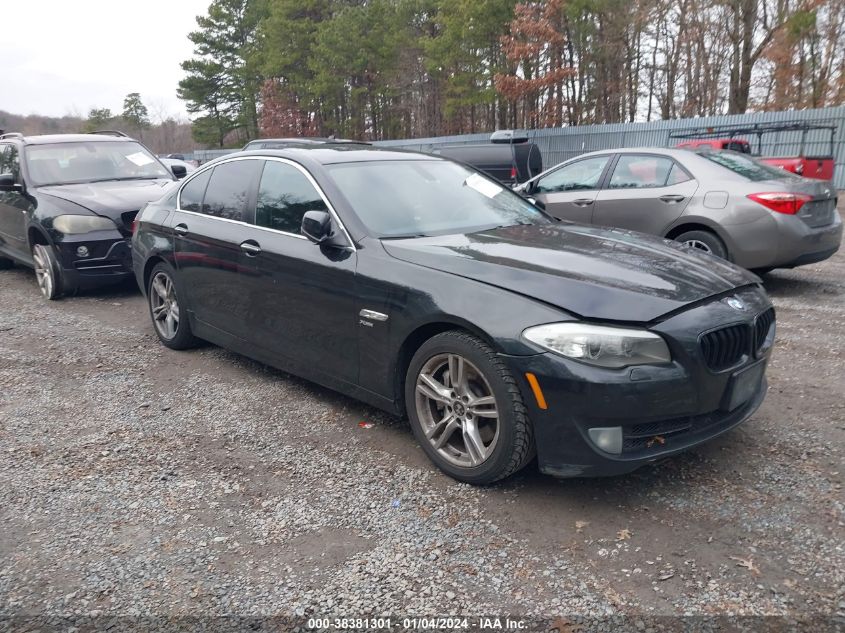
{"type": "Point", "coordinates": [699, 245]}
{"type": "Point", "coordinates": [457, 410]}
{"type": "Point", "coordinates": [44, 271]}
{"type": "Point", "coordinates": [163, 304]}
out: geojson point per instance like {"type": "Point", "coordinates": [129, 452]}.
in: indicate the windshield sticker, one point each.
{"type": "Point", "coordinates": [483, 186]}
{"type": "Point", "coordinates": [140, 159]}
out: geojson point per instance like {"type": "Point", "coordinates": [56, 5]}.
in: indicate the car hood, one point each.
{"type": "Point", "coordinates": [595, 273]}
{"type": "Point", "coordinates": [111, 198]}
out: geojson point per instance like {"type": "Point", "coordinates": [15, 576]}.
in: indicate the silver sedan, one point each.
{"type": "Point", "coordinates": [722, 202]}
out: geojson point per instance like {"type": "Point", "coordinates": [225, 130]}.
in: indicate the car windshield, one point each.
{"type": "Point", "coordinates": [752, 168]}
{"type": "Point", "coordinates": [91, 161]}
{"type": "Point", "coordinates": [405, 198]}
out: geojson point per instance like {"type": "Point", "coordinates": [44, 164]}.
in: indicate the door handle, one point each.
{"type": "Point", "coordinates": [583, 202]}
{"type": "Point", "coordinates": [251, 248]}
{"type": "Point", "coordinates": [672, 199]}
{"type": "Point", "coordinates": [181, 229]}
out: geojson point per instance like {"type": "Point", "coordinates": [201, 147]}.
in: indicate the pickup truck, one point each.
{"type": "Point", "coordinates": [818, 166]}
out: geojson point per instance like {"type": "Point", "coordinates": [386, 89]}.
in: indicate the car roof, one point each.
{"type": "Point", "coordinates": [341, 153]}
{"type": "Point", "coordinates": [310, 140]}
{"type": "Point", "coordinates": [45, 139]}
{"type": "Point", "coordinates": [675, 152]}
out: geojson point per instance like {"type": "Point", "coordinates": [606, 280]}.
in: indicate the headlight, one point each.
{"type": "Point", "coordinates": [601, 345]}
{"type": "Point", "coordinates": [74, 224]}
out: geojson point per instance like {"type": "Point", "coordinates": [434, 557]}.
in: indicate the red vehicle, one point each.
{"type": "Point", "coordinates": [730, 137]}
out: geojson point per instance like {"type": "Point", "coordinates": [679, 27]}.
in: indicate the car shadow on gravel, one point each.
{"type": "Point", "coordinates": [790, 284]}
{"type": "Point", "coordinates": [122, 289]}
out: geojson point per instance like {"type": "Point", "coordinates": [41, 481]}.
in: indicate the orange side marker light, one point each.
{"type": "Point", "coordinates": [535, 387]}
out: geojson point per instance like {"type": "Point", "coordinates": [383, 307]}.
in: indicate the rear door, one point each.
{"type": "Point", "coordinates": [210, 226]}
{"type": "Point", "coordinates": [300, 296]}
{"type": "Point", "coordinates": [645, 192]}
{"type": "Point", "coordinates": [569, 192]}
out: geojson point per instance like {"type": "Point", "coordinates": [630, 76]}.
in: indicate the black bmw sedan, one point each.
{"type": "Point", "coordinates": [424, 288]}
{"type": "Point", "coordinates": [67, 203]}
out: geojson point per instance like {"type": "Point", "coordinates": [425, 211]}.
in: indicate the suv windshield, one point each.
{"type": "Point", "coordinates": [751, 168]}
{"type": "Point", "coordinates": [405, 198]}
{"type": "Point", "coordinates": [91, 161]}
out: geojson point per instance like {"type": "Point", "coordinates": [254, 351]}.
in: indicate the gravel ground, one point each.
{"type": "Point", "coordinates": [138, 481]}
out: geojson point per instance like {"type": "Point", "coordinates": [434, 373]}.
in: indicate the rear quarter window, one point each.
{"type": "Point", "coordinates": [745, 166]}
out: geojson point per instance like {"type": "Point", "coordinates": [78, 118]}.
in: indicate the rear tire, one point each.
{"type": "Point", "coordinates": [473, 426]}
{"type": "Point", "coordinates": [704, 241]}
{"type": "Point", "coordinates": [5, 264]}
{"type": "Point", "coordinates": [48, 273]}
{"type": "Point", "coordinates": [170, 320]}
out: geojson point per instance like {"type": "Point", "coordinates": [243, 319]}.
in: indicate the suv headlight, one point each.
{"type": "Point", "coordinates": [75, 224]}
{"type": "Point", "coordinates": [601, 345]}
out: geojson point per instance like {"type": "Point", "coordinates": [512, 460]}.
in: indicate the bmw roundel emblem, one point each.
{"type": "Point", "coordinates": [736, 303]}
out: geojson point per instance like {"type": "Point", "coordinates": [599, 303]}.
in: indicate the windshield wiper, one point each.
{"type": "Point", "coordinates": [404, 237]}
{"type": "Point", "coordinates": [125, 178]}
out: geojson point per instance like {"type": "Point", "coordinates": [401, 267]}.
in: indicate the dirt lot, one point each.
{"type": "Point", "coordinates": [139, 481]}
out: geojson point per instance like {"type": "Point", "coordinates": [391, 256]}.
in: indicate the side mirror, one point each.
{"type": "Point", "coordinates": [317, 226]}
{"type": "Point", "coordinates": [8, 182]}
{"type": "Point", "coordinates": [180, 171]}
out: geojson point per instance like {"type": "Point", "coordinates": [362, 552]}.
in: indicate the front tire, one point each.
{"type": "Point", "coordinates": [704, 241]}
{"type": "Point", "coordinates": [170, 321]}
{"type": "Point", "coordinates": [47, 272]}
{"type": "Point", "coordinates": [466, 410]}
{"type": "Point", "coordinates": [5, 263]}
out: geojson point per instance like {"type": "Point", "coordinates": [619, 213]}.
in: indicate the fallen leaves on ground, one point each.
{"type": "Point", "coordinates": [748, 563]}
{"type": "Point", "coordinates": [623, 535]}
{"type": "Point", "coordinates": [562, 625]}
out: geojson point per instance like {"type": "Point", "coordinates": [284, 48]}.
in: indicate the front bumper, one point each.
{"type": "Point", "coordinates": [662, 410]}
{"type": "Point", "coordinates": [109, 260]}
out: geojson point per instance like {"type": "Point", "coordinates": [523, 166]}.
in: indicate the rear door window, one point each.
{"type": "Point", "coordinates": [284, 196]}
{"type": "Point", "coordinates": [229, 189]}
{"type": "Point", "coordinates": [642, 172]}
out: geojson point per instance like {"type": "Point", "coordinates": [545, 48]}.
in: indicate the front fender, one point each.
{"type": "Point", "coordinates": [417, 300]}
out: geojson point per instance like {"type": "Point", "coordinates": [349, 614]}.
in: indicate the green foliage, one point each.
{"type": "Point", "coordinates": [376, 69]}
{"type": "Point", "coordinates": [465, 50]}
{"type": "Point", "coordinates": [801, 24]}
{"type": "Point", "coordinates": [222, 81]}
{"type": "Point", "coordinates": [98, 119]}
{"type": "Point", "coordinates": [135, 112]}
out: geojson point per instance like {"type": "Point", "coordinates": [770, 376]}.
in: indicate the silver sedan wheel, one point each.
{"type": "Point", "coordinates": [163, 304]}
{"type": "Point", "coordinates": [457, 410]}
{"type": "Point", "coordinates": [698, 244]}
{"type": "Point", "coordinates": [44, 272]}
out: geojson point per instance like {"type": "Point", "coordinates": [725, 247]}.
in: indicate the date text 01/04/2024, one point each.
{"type": "Point", "coordinates": [421, 623]}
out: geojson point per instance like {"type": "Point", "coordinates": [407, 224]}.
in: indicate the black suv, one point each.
{"type": "Point", "coordinates": [67, 203]}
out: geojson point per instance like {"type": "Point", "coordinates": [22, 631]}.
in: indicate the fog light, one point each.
{"type": "Point", "coordinates": [82, 251]}
{"type": "Point", "coordinates": [608, 439]}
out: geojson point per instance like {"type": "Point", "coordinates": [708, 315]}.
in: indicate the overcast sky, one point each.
{"type": "Point", "coordinates": [59, 57]}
